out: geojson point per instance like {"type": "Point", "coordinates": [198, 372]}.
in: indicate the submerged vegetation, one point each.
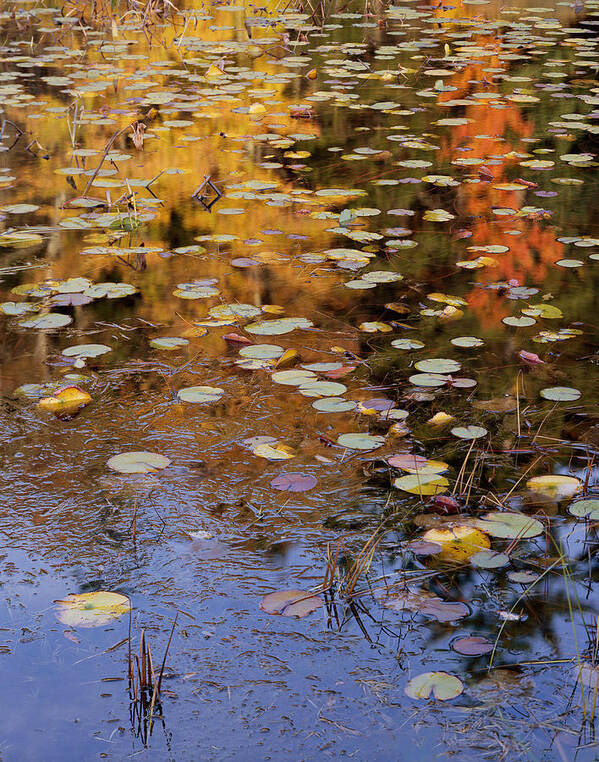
{"type": "Point", "coordinates": [297, 318]}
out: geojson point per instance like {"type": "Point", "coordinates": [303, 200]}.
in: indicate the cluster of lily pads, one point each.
{"type": "Point", "coordinates": [418, 72]}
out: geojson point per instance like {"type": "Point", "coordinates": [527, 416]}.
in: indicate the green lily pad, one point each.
{"type": "Point", "coordinates": [138, 462]}
{"type": "Point", "coordinates": [560, 393]}
{"type": "Point", "coordinates": [360, 441]}
{"type": "Point", "coordinates": [585, 509]}
{"type": "Point", "coordinates": [169, 343]}
{"type": "Point", "coordinates": [86, 350]}
{"type": "Point", "coordinates": [509, 525]}
{"type": "Point", "coordinates": [200, 394]}
{"type": "Point", "coordinates": [441, 685]}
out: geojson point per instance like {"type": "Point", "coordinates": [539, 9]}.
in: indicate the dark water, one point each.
{"type": "Point", "coordinates": [487, 113]}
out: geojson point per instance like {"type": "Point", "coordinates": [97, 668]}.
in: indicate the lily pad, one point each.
{"type": "Point", "coordinates": [554, 486]}
{"type": "Point", "coordinates": [86, 350]}
{"type": "Point", "coordinates": [361, 441]}
{"type": "Point", "coordinates": [441, 685]}
{"type": "Point", "coordinates": [200, 394]}
{"type": "Point", "coordinates": [509, 525]}
{"type": "Point", "coordinates": [92, 609]}
{"type": "Point", "coordinates": [296, 603]}
{"type": "Point", "coordinates": [294, 482]}
{"type": "Point", "coordinates": [560, 393]}
{"type": "Point", "coordinates": [138, 462]}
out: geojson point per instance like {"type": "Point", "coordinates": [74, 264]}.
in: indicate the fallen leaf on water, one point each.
{"type": "Point", "coordinates": [530, 358]}
{"type": "Point", "coordinates": [295, 603]}
{"type": "Point", "coordinates": [294, 482]}
{"type": "Point", "coordinates": [459, 543]}
{"type": "Point", "coordinates": [472, 646]}
{"type": "Point", "coordinates": [65, 402]}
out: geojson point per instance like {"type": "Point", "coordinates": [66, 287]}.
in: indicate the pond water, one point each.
{"type": "Point", "coordinates": [335, 277]}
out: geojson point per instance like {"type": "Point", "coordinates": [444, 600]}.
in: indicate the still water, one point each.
{"type": "Point", "coordinates": [363, 232]}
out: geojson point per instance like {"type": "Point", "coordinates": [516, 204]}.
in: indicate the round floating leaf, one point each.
{"type": "Point", "coordinates": [273, 451]}
{"type": "Point", "coordinates": [523, 578]}
{"type": "Point", "coordinates": [489, 559]}
{"type": "Point", "coordinates": [428, 379]}
{"type": "Point", "coordinates": [295, 603]}
{"type": "Point", "coordinates": [294, 482]}
{"type": "Point", "coordinates": [407, 344]}
{"type": "Point", "coordinates": [293, 377]}
{"type": "Point", "coordinates": [585, 509]}
{"type": "Point", "coordinates": [200, 394]}
{"type": "Point", "coordinates": [277, 327]}
{"type": "Point", "coordinates": [262, 352]}
{"type": "Point", "coordinates": [19, 208]}
{"type": "Point", "coordinates": [92, 609]}
{"type": "Point", "coordinates": [438, 365]}
{"type": "Point", "coordinates": [422, 484]}
{"type": "Point", "coordinates": [467, 342]}
{"type": "Point", "coordinates": [46, 322]}
{"type": "Point", "coordinates": [322, 389]}
{"type": "Point", "coordinates": [334, 405]}
{"type": "Point", "coordinates": [442, 685]}
{"type": "Point", "coordinates": [361, 441]}
{"type": "Point", "coordinates": [458, 544]}
{"type": "Point", "coordinates": [554, 486]}
{"type": "Point", "coordinates": [474, 645]}
{"type": "Point", "coordinates": [169, 343]}
{"type": "Point", "coordinates": [17, 308]}
{"type": "Point", "coordinates": [138, 462]}
{"type": "Point", "coordinates": [521, 322]}
{"type": "Point", "coordinates": [86, 350]}
{"type": "Point", "coordinates": [469, 432]}
{"type": "Point", "coordinates": [560, 393]}
{"type": "Point", "coordinates": [509, 525]}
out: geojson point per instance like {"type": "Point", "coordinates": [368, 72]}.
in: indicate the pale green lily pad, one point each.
{"type": "Point", "coordinates": [489, 559]}
{"type": "Point", "coordinates": [441, 685]}
{"type": "Point", "coordinates": [138, 462]}
{"type": "Point", "coordinates": [334, 405]}
{"type": "Point", "coordinates": [422, 484]}
{"type": "Point", "coordinates": [293, 377]}
{"type": "Point", "coordinates": [18, 308]}
{"type": "Point", "coordinates": [554, 486]}
{"type": "Point", "coordinates": [440, 365]}
{"type": "Point", "coordinates": [86, 350]}
{"type": "Point", "coordinates": [19, 208]}
{"type": "Point", "coordinates": [469, 432]}
{"type": "Point", "coordinates": [92, 609]}
{"type": "Point", "coordinates": [560, 393]}
{"type": "Point", "coordinates": [262, 352]}
{"type": "Point", "coordinates": [277, 327]}
{"type": "Point", "coordinates": [467, 342]}
{"type": "Point", "coordinates": [46, 322]}
{"type": "Point", "coordinates": [322, 389]}
{"type": "Point", "coordinates": [585, 509]}
{"type": "Point", "coordinates": [360, 441]}
{"type": "Point", "coordinates": [521, 322]}
{"type": "Point", "coordinates": [428, 379]}
{"type": "Point", "coordinates": [508, 525]}
{"type": "Point", "coordinates": [407, 344]}
{"type": "Point", "coordinates": [196, 292]}
{"type": "Point", "coordinates": [169, 343]}
{"type": "Point", "coordinates": [200, 394]}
